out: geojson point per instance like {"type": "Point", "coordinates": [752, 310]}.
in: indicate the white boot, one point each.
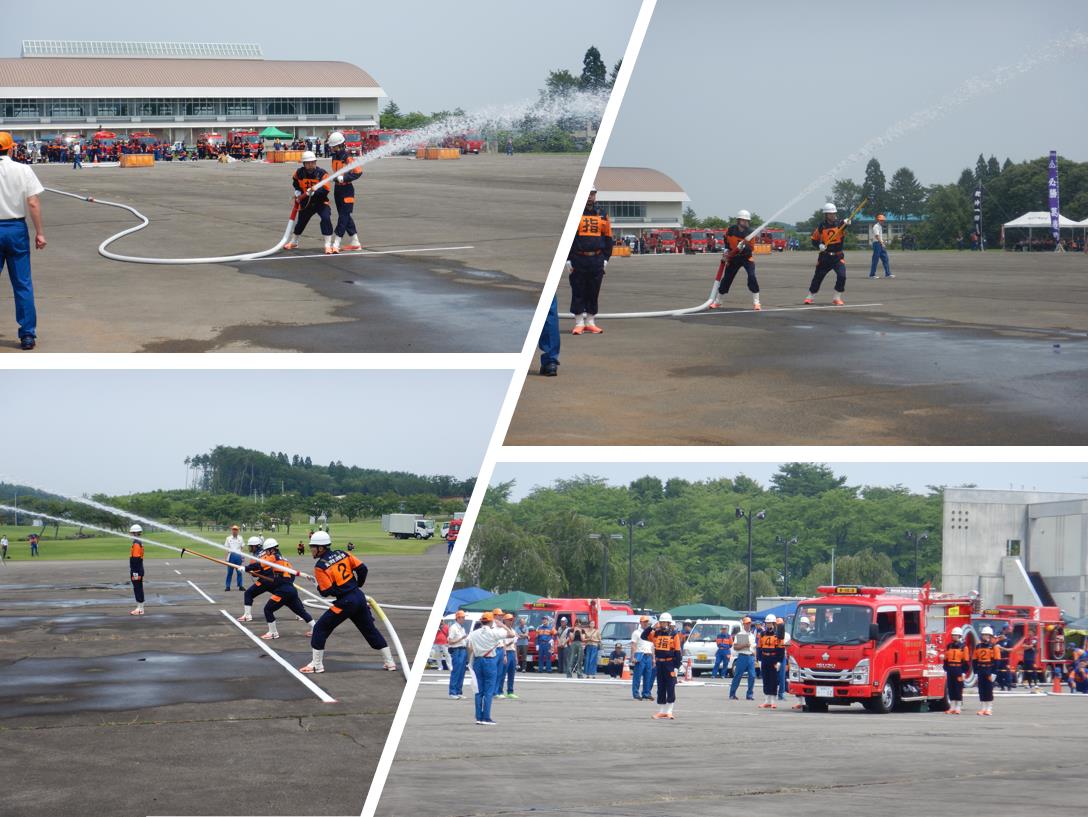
{"type": "Point", "coordinates": [317, 663]}
{"type": "Point", "coordinates": [353, 242]}
{"type": "Point", "coordinates": [591, 325]}
{"type": "Point", "coordinates": [328, 245]}
{"type": "Point", "coordinates": [668, 710]}
{"type": "Point", "coordinates": [273, 631]}
{"type": "Point", "coordinates": [716, 301]}
{"type": "Point", "coordinates": [336, 244]}
{"type": "Point", "coordinates": [579, 324]}
{"type": "Point", "coordinates": [247, 613]}
{"type": "Point", "coordinates": [387, 660]}
{"type": "Point", "coordinates": [755, 302]}
{"type": "Point", "coordinates": [139, 611]}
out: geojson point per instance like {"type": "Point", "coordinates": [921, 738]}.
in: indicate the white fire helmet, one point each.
{"type": "Point", "coordinates": [830, 208]}
{"type": "Point", "coordinates": [321, 538]}
{"type": "Point", "coordinates": [335, 139]}
{"type": "Point", "coordinates": [665, 617]}
{"type": "Point", "coordinates": [270, 543]}
{"type": "Point", "coordinates": [135, 529]}
{"type": "Point", "coordinates": [770, 619]}
{"type": "Point", "coordinates": [804, 620]}
{"type": "Point", "coordinates": [253, 541]}
{"type": "Point", "coordinates": [308, 156]}
{"type": "Point", "coordinates": [957, 632]}
{"type": "Point", "coordinates": [987, 630]}
{"type": "Point", "coordinates": [744, 214]}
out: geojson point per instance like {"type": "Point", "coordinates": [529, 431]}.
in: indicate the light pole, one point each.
{"type": "Point", "coordinates": [914, 536]}
{"type": "Point", "coordinates": [631, 524]}
{"type": "Point", "coordinates": [747, 515]}
{"type": "Point", "coordinates": [779, 540]}
{"type": "Point", "coordinates": [604, 567]}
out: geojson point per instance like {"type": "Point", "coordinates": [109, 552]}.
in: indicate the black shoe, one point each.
{"type": "Point", "coordinates": [549, 369]}
{"type": "Point", "coordinates": [27, 342]}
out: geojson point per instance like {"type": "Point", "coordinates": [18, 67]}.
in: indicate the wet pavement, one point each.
{"type": "Point", "coordinates": [957, 349]}
{"type": "Point", "coordinates": [180, 700]}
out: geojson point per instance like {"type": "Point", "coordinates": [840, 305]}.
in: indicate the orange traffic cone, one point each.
{"type": "Point", "coordinates": [688, 672]}
{"type": "Point", "coordinates": [626, 674]}
{"type": "Point", "coordinates": [1056, 689]}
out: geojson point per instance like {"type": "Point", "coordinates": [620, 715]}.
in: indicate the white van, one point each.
{"type": "Point", "coordinates": [618, 629]}
{"type": "Point", "coordinates": [702, 644]}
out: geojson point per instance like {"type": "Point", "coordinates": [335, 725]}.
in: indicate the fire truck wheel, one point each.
{"type": "Point", "coordinates": [814, 704]}
{"type": "Point", "coordinates": [887, 700]}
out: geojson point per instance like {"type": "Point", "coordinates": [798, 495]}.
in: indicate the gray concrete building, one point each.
{"type": "Point", "coordinates": [1017, 547]}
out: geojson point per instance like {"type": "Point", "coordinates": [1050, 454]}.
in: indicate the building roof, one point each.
{"type": "Point", "coordinates": [113, 72]}
{"type": "Point", "coordinates": [630, 179]}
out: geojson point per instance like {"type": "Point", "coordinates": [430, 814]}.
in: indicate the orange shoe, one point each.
{"type": "Point", "coordinates": [352, 247]}
{"type": "Point", "coordinates": [291, 245]}
{"type": "Point", "coordinates": [331, 251]}
{"type": "Point", "coordinates": [764, 706]}
{"type": "Point", "coordinates": [577, 330]}
{"type": "Point", "coordinates": [798, 707]}
{"type": "Point", "coordinates": [269, 636]}
{"type": "Point", "coordinates": [807, 300]}
{"type": "Point", "coordinates": [593, 329]}
{"type": "Point", "coordinates": [773, 706]}
{"type": "Point", "coordinates": [838, 302]}
{"type": "Point", "coordinates": [757, 307]}
{"type": "Point", "coordinates": [670, 716]}
{"type": "Point", "coordinates": [659, 716]}
{"type": "Point", "coordinates": [980, 713]}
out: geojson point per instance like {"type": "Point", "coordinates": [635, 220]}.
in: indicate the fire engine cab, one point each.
{"type": "Point", "coordinates": [869, 645]}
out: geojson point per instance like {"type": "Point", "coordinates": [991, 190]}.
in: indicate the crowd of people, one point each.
{"type": "Point", "coordinates": [79, 151]}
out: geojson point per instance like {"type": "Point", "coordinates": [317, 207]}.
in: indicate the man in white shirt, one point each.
{"type": "Point", "coordinates": [19, 191]}
{"type": "Point", "coordinates": [457, 642]}
{"type": "Point", "coordinates": [642, 663]}
{"type": "Point", "coordinates": [3, 547]}
{"type": "Point", "coordinates": [880, 252]}
{"type": "Point", "coordinates": [483, 644]}
{"type": "Point", "coordinates": [234, 545]}
{"type": "Point", "coordinates": [744, 648]}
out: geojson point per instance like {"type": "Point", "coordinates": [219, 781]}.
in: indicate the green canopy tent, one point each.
{"type": "Point", "coordinates": [509, 602]}
{"type": "Point", "coordinates": [272, 132]}
{"type": "Point", "coordinates": [703, 611]}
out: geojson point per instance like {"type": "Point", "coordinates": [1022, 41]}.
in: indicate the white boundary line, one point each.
{"type": "Point", "coordinates": [517, 380]}
{"type": "Point", "coordinates": [306, 682]}
{"type": "Point", "coordinates": [357, 253]}
{"type": "Point", "coordinates": [811, 308]}
{"type": "Point", "coordinates": [201, 592]}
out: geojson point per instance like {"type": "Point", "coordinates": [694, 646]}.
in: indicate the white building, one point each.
{"type": "Point", "coordinates": [177, 90]}
{"type": "Point", "coordinates": [638, 199]}
{"type": "Point", "coordinates": [1017, 547]}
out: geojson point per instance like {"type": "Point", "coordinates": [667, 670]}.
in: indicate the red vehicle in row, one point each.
{"type": "Point", "coordinates": [353, 139]}
{"type": "Point", "coordinates": [659, 241]}
{"type": "Point", "coordinates": [775, 236]}
{"type": "Point", "coordinates": [210, 143]}
{"type": "Point", "coordinates": [1039, 627]}
{"type": "Point", "coordinates": [596, 611]}
{"type": "Point", "coordinates": [143, 139]}
{"type": "Point", "coordinates": [694, 240]}
{"type": "Point", "coordinates": [466, 143]}
{"type": "Point", "coordinates": [378, 138]}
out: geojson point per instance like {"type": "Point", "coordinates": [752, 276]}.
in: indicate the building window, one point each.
{"type": "Point", "coordinates": [623, 209]}
{"type": "Point", "coordinates": [203, 108]}
{"type": "Point", "coordinates": [281, 107]}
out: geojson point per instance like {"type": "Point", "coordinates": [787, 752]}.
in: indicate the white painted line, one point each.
{"type": "Point", "coordinates": [773, 309]}
{"type": "Point", "coordinates": [406, 607]}
{"type": "Point", "coordinates": [201, 592]}
{"type": "Point", "coordinates": [306, 682]}
{"type": "Point", "coordinates": [177, 571]}
{"type": "Point", "coordinates": [363, 253]}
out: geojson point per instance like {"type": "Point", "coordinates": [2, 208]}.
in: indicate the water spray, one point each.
{"type": "Point", "coordinates": [968, 90]}
{"type": "Point", "coordinates": [534, 115]}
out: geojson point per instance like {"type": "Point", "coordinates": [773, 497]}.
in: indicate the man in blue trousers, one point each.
{"type": "Point", "coordinates": [19, 191]}
{"type": "Point", "coordinates": [880, 251]}
{"type": "Point", "coordinates": [744, 648]}
{"type": "Point", "coordinates": [482, 643]}
{"type": "Point", "coordinates": [549, 342]}
{"type": "Point", "coordinates": [457, 641]}
{"type": "Point", "coordinates": [642, 663]}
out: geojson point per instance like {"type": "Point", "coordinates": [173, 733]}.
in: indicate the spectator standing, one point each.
{"type": "Point", "coordinates": [234, 545]}
{"type": "Point", "coordinates": [19, 191]}
{"type": "Point", "coordinates": [522, 629]}
{"type": "Point", "coordinates": [483, 643]}
{"type": "Point", "coordinates": [593, 649]}
{"type": "Point", "coordinates": [440, 651]}
{"type": "Point", "coordinates": [880, 251]}
{"type": "Point", "coordinates": [544, 638]}
{"type": "Point", "coordinates": [724, 643]}
{"type": "Point", "coordinates": [510, 645]}
{"type": "Point", "coordinates": [457, 642]}
{"type": "Point", "coordinates": [744, 645]}
{"type": "Point", "coordinates": [33, 539]}
{"type": "Point", "coordinates": [562, 642]}
{"type": "Point", "coordinates": [576, 654]}
{"type": "Point", "coordinates": [77, 156]}
{"type": "Point", "coordinates": [3, 547]}
{"type": "Point", "coordinates": [642, 663]}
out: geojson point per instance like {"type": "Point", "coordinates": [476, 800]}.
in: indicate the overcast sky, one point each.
{"type": "Point", "coordinates": [427, 56]}
{"type": "Point", "coordinates": [745, 104]}
{"type": "Point", "coordinates": [1061, 477]}
{"type": "Point", "coordinates": [121, 431]}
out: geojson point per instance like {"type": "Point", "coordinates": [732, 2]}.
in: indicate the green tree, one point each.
{"type": "Point", "coordinates": [905, 196]}
{"type": "Point", "coordinates": [356, 505]}
{"type": "Point", "coordinates": [690, 219]}
{"type": "Point", "coordinates": [846, 194]}
{"type": "Point", "coordinates": [805, 479]}
{"type": "Point", "coordinates": [561, 83]}
{"type": "Point", "coordinates": [615, 72]}
{"type": "Point", "coordinates": [993, 168]}
{"type": "Point", "coordinates": [594, 72]}
{"type": "Point", "coordinates": [390, 116]}
{"type": "Point", "coordinates": [873, 187]}
{"type": "Point", "coordinates": [948, 217]}
{"type": "Point", "coordinates": [967, 182]}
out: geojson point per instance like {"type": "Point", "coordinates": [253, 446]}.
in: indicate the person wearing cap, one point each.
{"type": "Point", "coordinates": [955, 668]}
{"type": "Point", "coordinates": [616, 659]}
{"type": "Point", "coordinates": [521, 627]}
{"type": "Point", "coordinates": [457, 642]}
{"type": "Point", "coordinates": [880, 251]}
{"type": "Point", "coordinates": [510, 660]}
{"type": "Point", "coordinates": [313, 199]}
{"type": "Point", "coordinates": [136, 569]}
{"type": "Point", "coordinates": [586, 263]}
{"type": "Point", "coordinates": [737, 255]}
{"type": "Point", "coordinates": [744, 646]}
{"type": "Point", "coordinates": [667, 657]}
{"type": "Point", "coordinates": [282, 593]}
{"type": "Point", "coordinates": [724, 644]}
{"type": "Point", "coordinates": [234, 544]}
{"type": "Point", "coordinates": [19, 191]}
{"type": "Point", "coordinates": [500, 654]}
{"type": "Point", "coordinates": [340, 576]}
{"type": "Point", "coordinates": [642, 663]}
{"type": "Point", "coordinates": [545, 634]}
{"type": "Point", "coordinates": [985, 658]}
{"type": "Point", "coordinates": [483, 643]}
{"type": "Point", "coordinates": [1006, 678]}
{"type": "Point", "coordinates": [1031, 674]}
{"type": "Point", "coordinates": [771, 656]}
{"type": "Point", "coordinates": [828, 239]}
{"type": "Point", "coordinates": [562, 644]}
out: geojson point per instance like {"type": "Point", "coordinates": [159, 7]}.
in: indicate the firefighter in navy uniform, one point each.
{"type": "Point", "coordinates": [312, 200]}
{"type": "Point", "coordinates": [340, 576]}
{"type": "Point", "coordinates": [282, 591]}
{"type": "Point", "coordinates": [738, 254]}
{"type": "Point", "coordinates": [261, 576]}
{"type": "Point", "coordinates": [586, 264]}
{"type": "Point", "coordinates": [985, 660]}
{"type": "Point", "coordinates": [667, 657]}
{"type": "Point", "coordinates": [136, 570]}
{"type": "Point", "coordinates": [772, 652]}
{"type": "Point", "coordinates": [955, 668]}
{"type": "Point", "coordinates": [1006, 678]}
{"type": "Point", "coordinates": [828, 238]}
{"type": "Point", "coordinates": [343, 195]}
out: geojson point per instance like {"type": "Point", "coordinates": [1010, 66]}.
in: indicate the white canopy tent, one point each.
{"type": "Point", "coordinates": [1038, 220]}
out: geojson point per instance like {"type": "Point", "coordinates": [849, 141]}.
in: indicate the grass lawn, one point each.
{"type": "Point", "coordinates": [367, 535]}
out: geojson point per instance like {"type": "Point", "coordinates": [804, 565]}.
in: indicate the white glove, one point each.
{"type": "Point", "coordinates": [606, 262]}
{"type": "Point", "coordinates": [741, 245]}
{"type": "Point", "coordinates": [823, 247]}
{"type": "Point", "coordinates": [568, 267]}
{"type": "Point", "coordinates": [847, 222]}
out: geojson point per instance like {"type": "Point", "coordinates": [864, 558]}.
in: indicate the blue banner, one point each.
{"type": "Point", "coordinates": [1052, 198]}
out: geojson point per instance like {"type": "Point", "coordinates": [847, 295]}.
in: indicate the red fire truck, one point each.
{"type": "Point", "coordinates": [775, 236]}
{"type": "Point", "coordinates": [144, 139]}
{"type": "Point", "coordinates": [693, 240]}
{"type": "Point", "coordinates": [378, 138]}
{"type": "Point", "coordinates": [597, 611]}
{"type": "Point", "coordinates": [465, 142]}
{"type": "Point", "coordinates": [1039, 626]}
{"type": "Point", "coordinates": [881, 648]}
{"type": "Point", "coordinates": [659, 241]}
{"type": "Point", "coordinates": [715, 240]}
{"type": "Point", "coordinates": [105, 144]}
{"type": "Point", "coordinates": [212, 143]}
{"type": "Point", "coordinates": [353, 139]}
